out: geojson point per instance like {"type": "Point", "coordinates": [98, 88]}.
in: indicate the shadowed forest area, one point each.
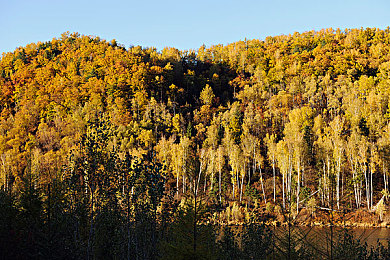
{"type": "Point", "coordinates": [133, 153]}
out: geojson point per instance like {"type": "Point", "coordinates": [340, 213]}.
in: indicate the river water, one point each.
{"type": "Point", "coordinates": [320, 236]}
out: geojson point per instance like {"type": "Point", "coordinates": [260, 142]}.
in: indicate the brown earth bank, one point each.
{"type": "Point", "coordinates": [358, 218]}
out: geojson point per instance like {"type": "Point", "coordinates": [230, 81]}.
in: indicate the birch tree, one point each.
{"type": "Point", "coordinates": [272, 151]}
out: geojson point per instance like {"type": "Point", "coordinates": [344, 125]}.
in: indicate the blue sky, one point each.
{"type": "Point", "coordinates": [178, 23]}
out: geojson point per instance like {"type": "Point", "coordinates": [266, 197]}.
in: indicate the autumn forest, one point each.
{"type": "Point", "coordinates": [108, 151]}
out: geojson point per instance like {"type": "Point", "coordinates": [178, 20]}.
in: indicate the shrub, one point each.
{"type": "Point", "coordinates": [278, 209]}
{"type": "Point", "coordinates": [380, 209]}
{"type": "Point", "coordinates": [270, 207]}
{"type": "Point", "coordinates": [311, 205]}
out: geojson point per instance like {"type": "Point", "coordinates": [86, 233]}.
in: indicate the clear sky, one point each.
{"type": "Point", "coordinates": [179, 23]}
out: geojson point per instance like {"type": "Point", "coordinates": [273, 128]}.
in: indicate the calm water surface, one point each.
{"type": "Point", "coordinates": [320, 236]}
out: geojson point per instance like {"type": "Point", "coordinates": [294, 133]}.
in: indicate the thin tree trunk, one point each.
{"type": "Point", "coordinates": [323, 184]}
{"type": "Point", "coordinates": [238, 184]}
{"type": "Point", "coordinates": [298, 186]}
{"type": "Point", "coordinates": [288, 181]}
{"type": "Point", "coordinates": [330, 185]}
{"type": "Point", "coordinates": [195, 220]}
{"type": "Point", "coordinates": [184, 184]}
{"type": "Point", "coordinates": [89, 249]}
{"type": "Point", "coordinates": [242, 185]}
{"type": "Point", "coordinates": [284, 200]}
{"type": "Point", "coordinates": [371, 189]}
{"type": "Point", "coordinates": [367, 185]}
{"type": "Point", "coordinates": [128, 225]}
{"type": "Point", "coordinates": [204, 186]}
{"type": "Point", "coordinates": [212, 170]}
{"type": "Point", "coordinates": [262, 185]}
{"type": "Point", "coordinates": [354, 181]}
{"type": "Point", "coordinates": [219, 184]}
{"type": "Point", "coordinates": [384, 175]}
{"type": "Point", "coordinates": [197, 184]}
{"type": "Point", "coordinates": [234, 180]}
{"type": "Point", "coordinates": [273, 171]}
{"type": "Point", "coordinates": [212, 180]}
{"type": "Point", "coordinates": [177, 185]}
{"type": "Point", "coordinates": [338, 183]}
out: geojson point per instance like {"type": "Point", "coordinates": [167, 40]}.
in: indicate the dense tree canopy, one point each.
{"type": "Point", "coordinates": [266, 121]}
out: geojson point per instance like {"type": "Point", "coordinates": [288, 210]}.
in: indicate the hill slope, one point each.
{"type": "Point", "coordinates": [311, 109]}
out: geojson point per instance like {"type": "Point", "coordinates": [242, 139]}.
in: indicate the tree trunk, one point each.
{"type": "Point", "coordinates": [177, 184]}
{"type": "Point", "coordinates": [284, 200]}
{"type": "Point", "coordinates": [128, 224]}
{"type": "Point", "coordinates": [219, 184]}
{"type": "Point", "coordinates": [338, 183]}
{"type": "Point", "coordinates": [195, 220]}
{"type": "Point", "coordinates": [329, 180]}
{"type": "Point", "coordinates": [367, 185]}
{"type": "Point", "coordinates": [90, 236]}
{"type": "Point", "coordinates": [384, 175]}
{"type": "Point", "coordinates": [355, 185]}
{"type": "Point", "coordinates": [242, 185]}
{"type": "Point", "coordinates": [205, 183]}
{"type": "Point", "coordinates": [298, 186]}
{"type": "Point", "coordinates": [184, 184]}
{"type": "Point", "coordinates": [262, 185]}
{"type": "Point", "coordinates": [273, 171]}
{"type": "Point", "coordinates": [371, 190]}
{"type": "Point", "coordinates": [234, 180]}
{"type": "Point", "coordinates": [290, 181]}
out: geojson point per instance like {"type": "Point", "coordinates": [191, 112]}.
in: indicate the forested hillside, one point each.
{"type": "Point", "coordinates": [291, 122]}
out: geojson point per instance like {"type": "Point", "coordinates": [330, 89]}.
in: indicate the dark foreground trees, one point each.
{"type": "Point", "coordinates": [28, 233]}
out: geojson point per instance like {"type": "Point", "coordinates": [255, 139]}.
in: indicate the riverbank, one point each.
{"type": "Point", "coordinates": [324, 218]}
{"type": "Point", "coordinates": [235, 214]}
